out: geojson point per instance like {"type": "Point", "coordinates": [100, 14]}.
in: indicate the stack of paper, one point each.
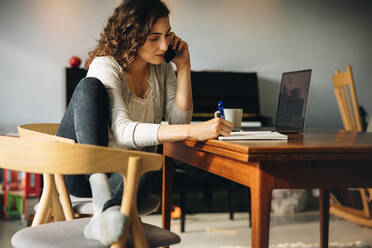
{"type": "Point", "coordinates": [254, 135]}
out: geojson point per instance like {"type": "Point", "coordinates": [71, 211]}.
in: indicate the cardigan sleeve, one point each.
{"type": "Point", "coordinates": [127, 133]}
{"type": "Point", "coordinates": [173, 114]}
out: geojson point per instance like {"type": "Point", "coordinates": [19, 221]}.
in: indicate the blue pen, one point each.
{"type": "Point", "coordinates": [220, 108]}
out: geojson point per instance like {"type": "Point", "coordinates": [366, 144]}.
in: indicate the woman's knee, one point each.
{"type": "Point", "coordinates": [92, 90]}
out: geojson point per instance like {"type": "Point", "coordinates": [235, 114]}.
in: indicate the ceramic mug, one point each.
{"type": "Point", "coordinates": [234, 116]}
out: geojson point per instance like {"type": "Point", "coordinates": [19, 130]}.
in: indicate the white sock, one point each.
{"type": "Point", "coordinates": [101, 191]}
{"type": "Point", "coordinates": [107, 227]}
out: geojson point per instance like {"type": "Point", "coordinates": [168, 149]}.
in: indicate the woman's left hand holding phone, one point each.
{"type": "Point", "coordinates": [182, 49]}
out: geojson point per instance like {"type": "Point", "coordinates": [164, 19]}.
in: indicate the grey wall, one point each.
{"type": "Point", "coordinates": [269, 37]}
{"type": "Point", "coordinates": [37, 38]}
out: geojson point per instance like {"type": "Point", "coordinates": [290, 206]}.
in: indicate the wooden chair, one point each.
{"type": "Point", "coordinates": [55, 159]}
{"type": "Point", "coordinates": [81, 206]}
{"type": "Point", "coordinates": [344, 86]}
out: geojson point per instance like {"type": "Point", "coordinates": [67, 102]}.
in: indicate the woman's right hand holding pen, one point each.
{"type": "Point", "coordinates": [213, 128]}
{"type": "Point", "coordinates": [210, 129]}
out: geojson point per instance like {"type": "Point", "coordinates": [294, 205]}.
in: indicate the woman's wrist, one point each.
{"type": "Point", "coordinates": [184, 73]}
{"type": "Point", "coordinates": [183, 67]}
{"type": "Point", "coordinates": [189, 131]}
{"type": "Point", "coordinates": [174, 133]}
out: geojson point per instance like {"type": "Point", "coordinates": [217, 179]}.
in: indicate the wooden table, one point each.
{"type": "Point", "coordinates": [324, 159]}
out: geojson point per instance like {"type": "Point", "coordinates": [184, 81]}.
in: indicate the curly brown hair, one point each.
{"type": "Point", "coordinates": [127, 29]}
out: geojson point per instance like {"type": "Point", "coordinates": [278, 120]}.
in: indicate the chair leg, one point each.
{"type": "Point", "coordinates": [57, 212]}
{"type": "Point", "coordinates": [139, 238]}
{"type": "Point", "coordinates": [45, 202]}
{"type": "Point", "coordinates": [183, 218]}
{"type": "Point", "coordinates": [183, 210]}
{"type": "Point", "coordinates": [49, 216]}
{"type": "Point", "coordinates": [64, 196]}
{"type": "Point", "coordinates": [365, 201]}
{"type": "Point", "coordinates": [129, 209]}
{"type": "Point", "coordinates": [324, 217]}
{"type": "Point", "coordinates": [230, 201]}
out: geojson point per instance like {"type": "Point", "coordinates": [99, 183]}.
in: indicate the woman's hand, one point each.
{"type": "Point", "coordinates": [210, 129]}
{"type": "Point", "coordinates": [182, 49]}
{"type": "Point", "coordinates": [206, 130]}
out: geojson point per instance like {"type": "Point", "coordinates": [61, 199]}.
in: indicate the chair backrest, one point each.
{"type": "Point", "coordinates": [344, 86]}
{"type": "Point", "coordinates": [42, 131]}
{"type": "Point", "coordinates": [38, 150]}
{"type": "Point", "coordinates": [36, 156]}
{"type": "Point", "coordinates": [85, 159]}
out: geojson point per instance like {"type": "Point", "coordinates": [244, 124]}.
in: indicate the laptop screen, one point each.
{"type": "Point", "coordinates": [293, 95]}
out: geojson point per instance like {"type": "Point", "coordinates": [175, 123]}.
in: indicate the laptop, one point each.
{"type": "Point", "coordinates": [291, 111]}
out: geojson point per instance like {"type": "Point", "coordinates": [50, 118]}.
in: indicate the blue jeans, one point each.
{"type": "Point", "coordinates": [86, 121]}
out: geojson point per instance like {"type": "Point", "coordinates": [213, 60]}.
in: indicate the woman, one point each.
{"type": "Point", "coordinates": [129, 89]}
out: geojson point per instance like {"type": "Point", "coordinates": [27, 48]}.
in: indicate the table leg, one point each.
{"type": "Point", "coordinates": [260, 202]}
{"type": "Point", "coordinates": [167, 191]}
{"type": "Point", "coordinates": [324, 217]}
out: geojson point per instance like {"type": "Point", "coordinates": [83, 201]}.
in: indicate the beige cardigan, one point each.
{"type": "Point", "coordinates": [123, 131]}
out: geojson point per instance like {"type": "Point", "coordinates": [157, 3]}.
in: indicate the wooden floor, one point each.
{"type": "Point", "coordinates": [209, 230]}
{"type": "Point", "coordinates": [292, 231]}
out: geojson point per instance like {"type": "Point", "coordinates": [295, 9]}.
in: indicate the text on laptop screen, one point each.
{"type": "Point", "coordinates": [293, 99]}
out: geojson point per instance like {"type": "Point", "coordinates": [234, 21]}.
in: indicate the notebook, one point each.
{"type": "Point", "coordinates": [291, 110]}
{"type": "Point", "coordinates": [254, 135]}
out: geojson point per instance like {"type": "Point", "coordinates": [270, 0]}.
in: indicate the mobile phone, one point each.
{"type": "Point", "coordinates": [169, 54]}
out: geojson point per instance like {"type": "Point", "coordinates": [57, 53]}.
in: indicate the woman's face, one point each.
{"type": "Point", "coordinates": [156, 42]}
